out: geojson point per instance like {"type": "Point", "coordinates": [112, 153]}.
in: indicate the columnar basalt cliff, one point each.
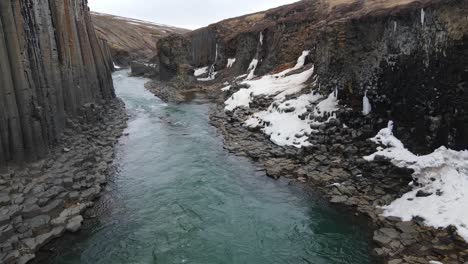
{"type": "Point", "coordinates": [409, 56]}
{"type": "Point", "coordinates": [59, 121]}
{"type": "Point", "coordinates": [52, 64]}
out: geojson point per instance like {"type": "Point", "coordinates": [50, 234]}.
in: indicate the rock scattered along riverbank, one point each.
{"type": "Point", "coordinates": [45, 199]}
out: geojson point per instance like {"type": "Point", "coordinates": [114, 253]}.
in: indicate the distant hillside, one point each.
{"type": "Point", "coordinates": [131, 39]}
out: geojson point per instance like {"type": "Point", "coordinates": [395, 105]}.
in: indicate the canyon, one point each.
{"type": "Point", "coordinates": [362, 103]}
{"type": "Point", "coordinates": [363, 66]}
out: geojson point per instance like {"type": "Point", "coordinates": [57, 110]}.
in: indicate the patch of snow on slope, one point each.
{"type": "Point", "coordinates": [227, 88]}
{"type": "Point", "coordinates": [252, 67]}
{"type": "Point", "coordinates": [268, 85]}
{"type": "Point", "coordinates": [201, 71]}
{"type": "Point", "coordinates": [230, 62]}
{"type": "Point", "coordinates": [442, 177]}
{"type": "Point", "coordinates": [327, 106]}
{"type": "Point", "coordinates": [287, 121]}
{"type": "Point", "coordinates": [282, 122]}
{"type": "Point", "coordinates": [300, 63]}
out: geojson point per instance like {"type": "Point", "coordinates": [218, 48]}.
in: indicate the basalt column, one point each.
{"type": "Point", "coordinates": [51, 65]}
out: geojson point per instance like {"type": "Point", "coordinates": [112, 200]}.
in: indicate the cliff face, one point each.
{"type": "Point", "coordinates": [412, 62]}
{"type": "Point", "coordinates": [131, 39]}
{"type": "Point", "coordinates": [51, 65]}
{"type": "Point", "coordinates": [409, 56]}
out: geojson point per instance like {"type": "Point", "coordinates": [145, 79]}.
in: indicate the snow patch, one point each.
{"type": "Point", "coordinates": [268, 85]}
{"type": "Point", "coordinates": [227, 88]}
{"type": "Point", "coordinates": [288, 122]}
{"type": "Point", "coordinates": [440, 183]}
{"type": "Point", "coordinates": [116, 67]}
{"type": "Point", "coordinates": [282, 121]}
{"type": "Point", "coordinates": [423, 16]}
{"type": "Point", "coordinates": [240, 77]}
{"type": "Point", "coordinates": [261, 38]}
{"type": "Point", "coordinates": [366, 106]}
{"type": "Point", "coordinates": [300, 63]}
{"type": "Point", "coordinates": [230, 62]}
{"type": "Point", "coordinates": [201, 71]}
{"type": "Point", "coordinates": [252, 67]}
{"type": "Point", "coordinates": [327, 106]}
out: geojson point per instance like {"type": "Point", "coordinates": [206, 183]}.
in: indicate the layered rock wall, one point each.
{"type": "Point", "coordinates": [52, 64]}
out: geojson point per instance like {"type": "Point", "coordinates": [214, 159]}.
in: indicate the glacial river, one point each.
{"type": "Point", "coordinates": [179, 197]}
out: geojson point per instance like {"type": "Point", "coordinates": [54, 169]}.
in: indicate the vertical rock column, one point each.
{"type": "Point", "coordinates": [11, 144]}
{"type": "Point", "coordinates": [22, 89]}
{"type": "Point", "coordinates": [51, 65]}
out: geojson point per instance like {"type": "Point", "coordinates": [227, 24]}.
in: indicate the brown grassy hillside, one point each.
{"type": "Point", "coordinates": [131, 38]}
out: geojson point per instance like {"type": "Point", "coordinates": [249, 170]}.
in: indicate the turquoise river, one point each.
{"type": "Point", "coordinates": [179, 197]}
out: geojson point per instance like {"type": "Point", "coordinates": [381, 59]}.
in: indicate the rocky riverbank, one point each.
{"type": "Point", "coordinates": [43, 200]}
{"type": "Point", "coordinates": [334, 166]}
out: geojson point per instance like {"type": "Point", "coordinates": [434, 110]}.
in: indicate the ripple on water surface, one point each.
{"type": "Point", "coordinates": [178, 197]}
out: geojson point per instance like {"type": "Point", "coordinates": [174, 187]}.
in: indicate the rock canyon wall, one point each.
{"type": "Point", "coordinates": [52, 64]}
{"type": "Point", "coordinates": [408, 56]}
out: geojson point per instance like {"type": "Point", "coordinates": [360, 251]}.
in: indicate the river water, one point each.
{"type": "Point", "coordinates": [179, 197]}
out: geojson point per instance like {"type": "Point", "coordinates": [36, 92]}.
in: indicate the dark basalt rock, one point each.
{"type": "Point", "coordinates": [174, 58]}
{"type": "Point", "coordinates": [51, 64]}
{"type": "Point", "coordinates": [143, 69]}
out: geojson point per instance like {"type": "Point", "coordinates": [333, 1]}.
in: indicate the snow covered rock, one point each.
{"type": "Point", "coordinates": [440, 183]}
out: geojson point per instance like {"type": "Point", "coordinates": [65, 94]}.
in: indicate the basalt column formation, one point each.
{"type": "Point", "coordinates": [51, 65]}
